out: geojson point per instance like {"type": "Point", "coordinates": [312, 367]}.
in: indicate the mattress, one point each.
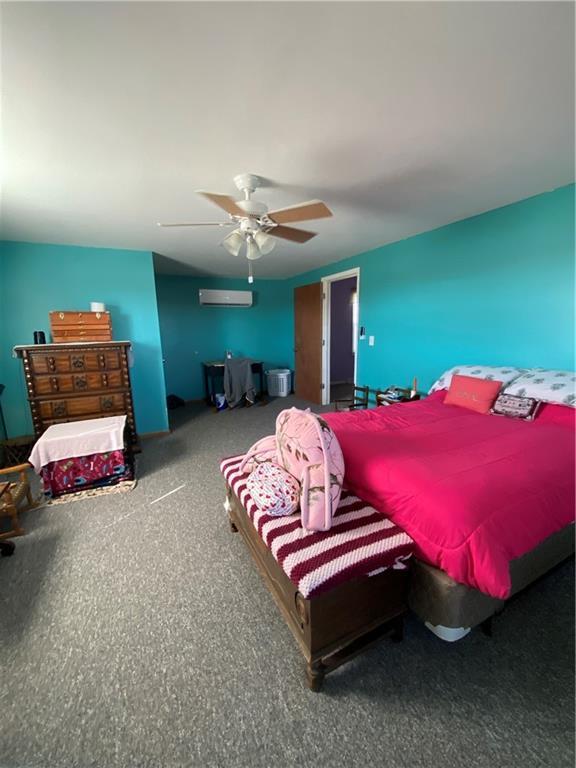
{"type": "Point", "coordinates": [474, 491]}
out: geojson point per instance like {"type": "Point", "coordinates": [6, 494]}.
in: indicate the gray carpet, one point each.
{"type": "Point", "coordinates": [139, 634]}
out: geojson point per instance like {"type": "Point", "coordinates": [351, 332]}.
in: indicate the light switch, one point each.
{"type": "Point", "coordinates": [370, 341]}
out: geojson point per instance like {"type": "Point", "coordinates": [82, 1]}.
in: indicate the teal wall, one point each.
{"type": "Point", "coordinates": [494, 289]}
{"type": "Point", "coordinates": [3, 342]}
{"type": "Point", "coordinates": [192, 334]}
{"type": "Point", "coordinates": [37, 278]}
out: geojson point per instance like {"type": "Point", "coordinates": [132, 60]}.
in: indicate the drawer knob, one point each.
{"type": "Point", "coordinates": [102, 361]}
{"type": "Point", "coordinates": [54, 382]}
{"type": "Point", "coordinates": [104, 379]}
{"type": "Point", "coordinates": [52, 363]}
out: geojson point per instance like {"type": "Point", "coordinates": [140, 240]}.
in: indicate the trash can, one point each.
{"type": "Point", "coordinates": [278, 381]}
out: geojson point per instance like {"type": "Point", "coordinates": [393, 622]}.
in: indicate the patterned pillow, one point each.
{"type": "Point", "coordinates": [275, 491]}
{"type": "Point", "coordinates": [506, 374]}
{"type": "Point", "coordinates": [309, 450]}
{"type": "Point", "coordinates": [549, 386]}
{"type": "Point", "coordinates": [517, 407]}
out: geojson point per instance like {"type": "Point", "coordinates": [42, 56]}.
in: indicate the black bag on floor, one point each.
{"type": "Point", "coordinates": [173, 401]}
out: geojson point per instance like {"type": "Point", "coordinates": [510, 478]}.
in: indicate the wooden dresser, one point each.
{"type": "Point", "coordinates": [70, 382]}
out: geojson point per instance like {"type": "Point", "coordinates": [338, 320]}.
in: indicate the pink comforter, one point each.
{"type": "Point", "coordinates": [474, 491]}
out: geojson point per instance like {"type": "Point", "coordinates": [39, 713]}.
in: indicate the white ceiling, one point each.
{"type": "Point", "coordinates": [402, 117]}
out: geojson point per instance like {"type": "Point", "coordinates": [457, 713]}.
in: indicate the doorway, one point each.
{"type": "Point", "coordinates": [326, 337]}
{"type": "Point", "coordinates": [340, 335]}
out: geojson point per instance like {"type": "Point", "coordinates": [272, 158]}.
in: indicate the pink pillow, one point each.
{"type": "Point", "coordinates": [472, 393]}
{"type": "Point", "coordinates": [275, 491]}
{"type": "Point", "coordinates": [310, 451]}
{"type": "Point", "coordinates": [305, 447]}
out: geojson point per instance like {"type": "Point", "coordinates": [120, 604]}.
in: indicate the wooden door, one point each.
{"type": "Point", "coordinates": [308, 342]}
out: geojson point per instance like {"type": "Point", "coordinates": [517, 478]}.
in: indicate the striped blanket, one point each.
{"type": "Point", "coordinates": [361, 542]}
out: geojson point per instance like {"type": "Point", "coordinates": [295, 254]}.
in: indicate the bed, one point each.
{"type": "Point", "coordinates": [488, 500]}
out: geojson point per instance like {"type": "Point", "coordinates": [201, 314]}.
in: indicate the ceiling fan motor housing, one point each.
{"type": "Point", "coordinates": [252, 208]}
{"type": "Point", "coordinates": [249, 225]}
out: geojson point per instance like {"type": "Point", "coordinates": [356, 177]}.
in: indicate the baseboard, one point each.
{"type": "Point", "coordinates": [146, 435]}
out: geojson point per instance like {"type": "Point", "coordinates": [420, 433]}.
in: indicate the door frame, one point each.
{"type": "Point", "coordinates": [326, 290]}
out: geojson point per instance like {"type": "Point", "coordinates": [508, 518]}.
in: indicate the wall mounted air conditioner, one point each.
{"type": "Point", "coordinates": [213, 298]}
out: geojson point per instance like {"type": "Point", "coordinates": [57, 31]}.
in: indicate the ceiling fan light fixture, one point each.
{"type": "Point", "coordinates": [252, 250]}
{"type": "Point", "coordinates": [233, 242]}
{"type": "Point", "coordinates": [264, 242]}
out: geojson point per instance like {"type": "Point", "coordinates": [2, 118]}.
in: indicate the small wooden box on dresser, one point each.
{"type": "Point", "coordinates": [80, 326]}
{"type": "Point", "coordinates": [71, 382]}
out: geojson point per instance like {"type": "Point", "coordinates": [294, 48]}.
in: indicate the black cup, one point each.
{"type": "Point", "coordinates": [39, 337]}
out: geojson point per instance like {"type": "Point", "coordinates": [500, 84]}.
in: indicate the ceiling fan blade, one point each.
{"type": "Point", "coordinates": [225, 202]}
{"type": "Point", "coordinates": [200, 224]}
{"type": "Point", "coordinates": [291, 233]}
{"type": "Point", "coordinates": [313, 209]}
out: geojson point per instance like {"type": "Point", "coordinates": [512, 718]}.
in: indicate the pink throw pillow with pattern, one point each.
{"type": "Point", "coordinates": [310, 451]}
{"type": "Point", "coordinates": [274, 490]}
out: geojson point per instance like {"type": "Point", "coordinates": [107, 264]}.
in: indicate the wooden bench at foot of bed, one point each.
{"type": "Point", "coordinates": [334, 626]}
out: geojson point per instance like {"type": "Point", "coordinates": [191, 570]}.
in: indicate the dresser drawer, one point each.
{"type": "Point", "coordinates": [73, 362]}
{"type": "Point", "coordinates": [90, 406]}
{"type": "Point", "coordinates": [65, 383]}
{"type": "Point", "coordinates": [81, 334]}
{"type": "Point", "coordinates": [66, 319]}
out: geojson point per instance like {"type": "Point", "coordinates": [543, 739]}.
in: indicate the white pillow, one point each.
{"type": "Point", "coordinates": [542, 384]}
{"type": "Point", "coordinates": [506, 374]}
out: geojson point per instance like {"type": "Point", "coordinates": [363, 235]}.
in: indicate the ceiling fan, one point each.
{"type": "Point", "coordinates": [256, 226]}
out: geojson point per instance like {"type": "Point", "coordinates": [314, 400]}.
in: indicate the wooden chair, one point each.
{"type": "Point", "coordinates": [359, 399]}
{"type": "Point", "coordinates": [15, 497]}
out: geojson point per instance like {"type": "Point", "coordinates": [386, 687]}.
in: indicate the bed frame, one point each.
{"type": "Point", "coordinates": [444, 604]}
{"type": "Point", "coordinates": [337, 625]}
{"type": "Point", "coordinates": [334, 627]}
